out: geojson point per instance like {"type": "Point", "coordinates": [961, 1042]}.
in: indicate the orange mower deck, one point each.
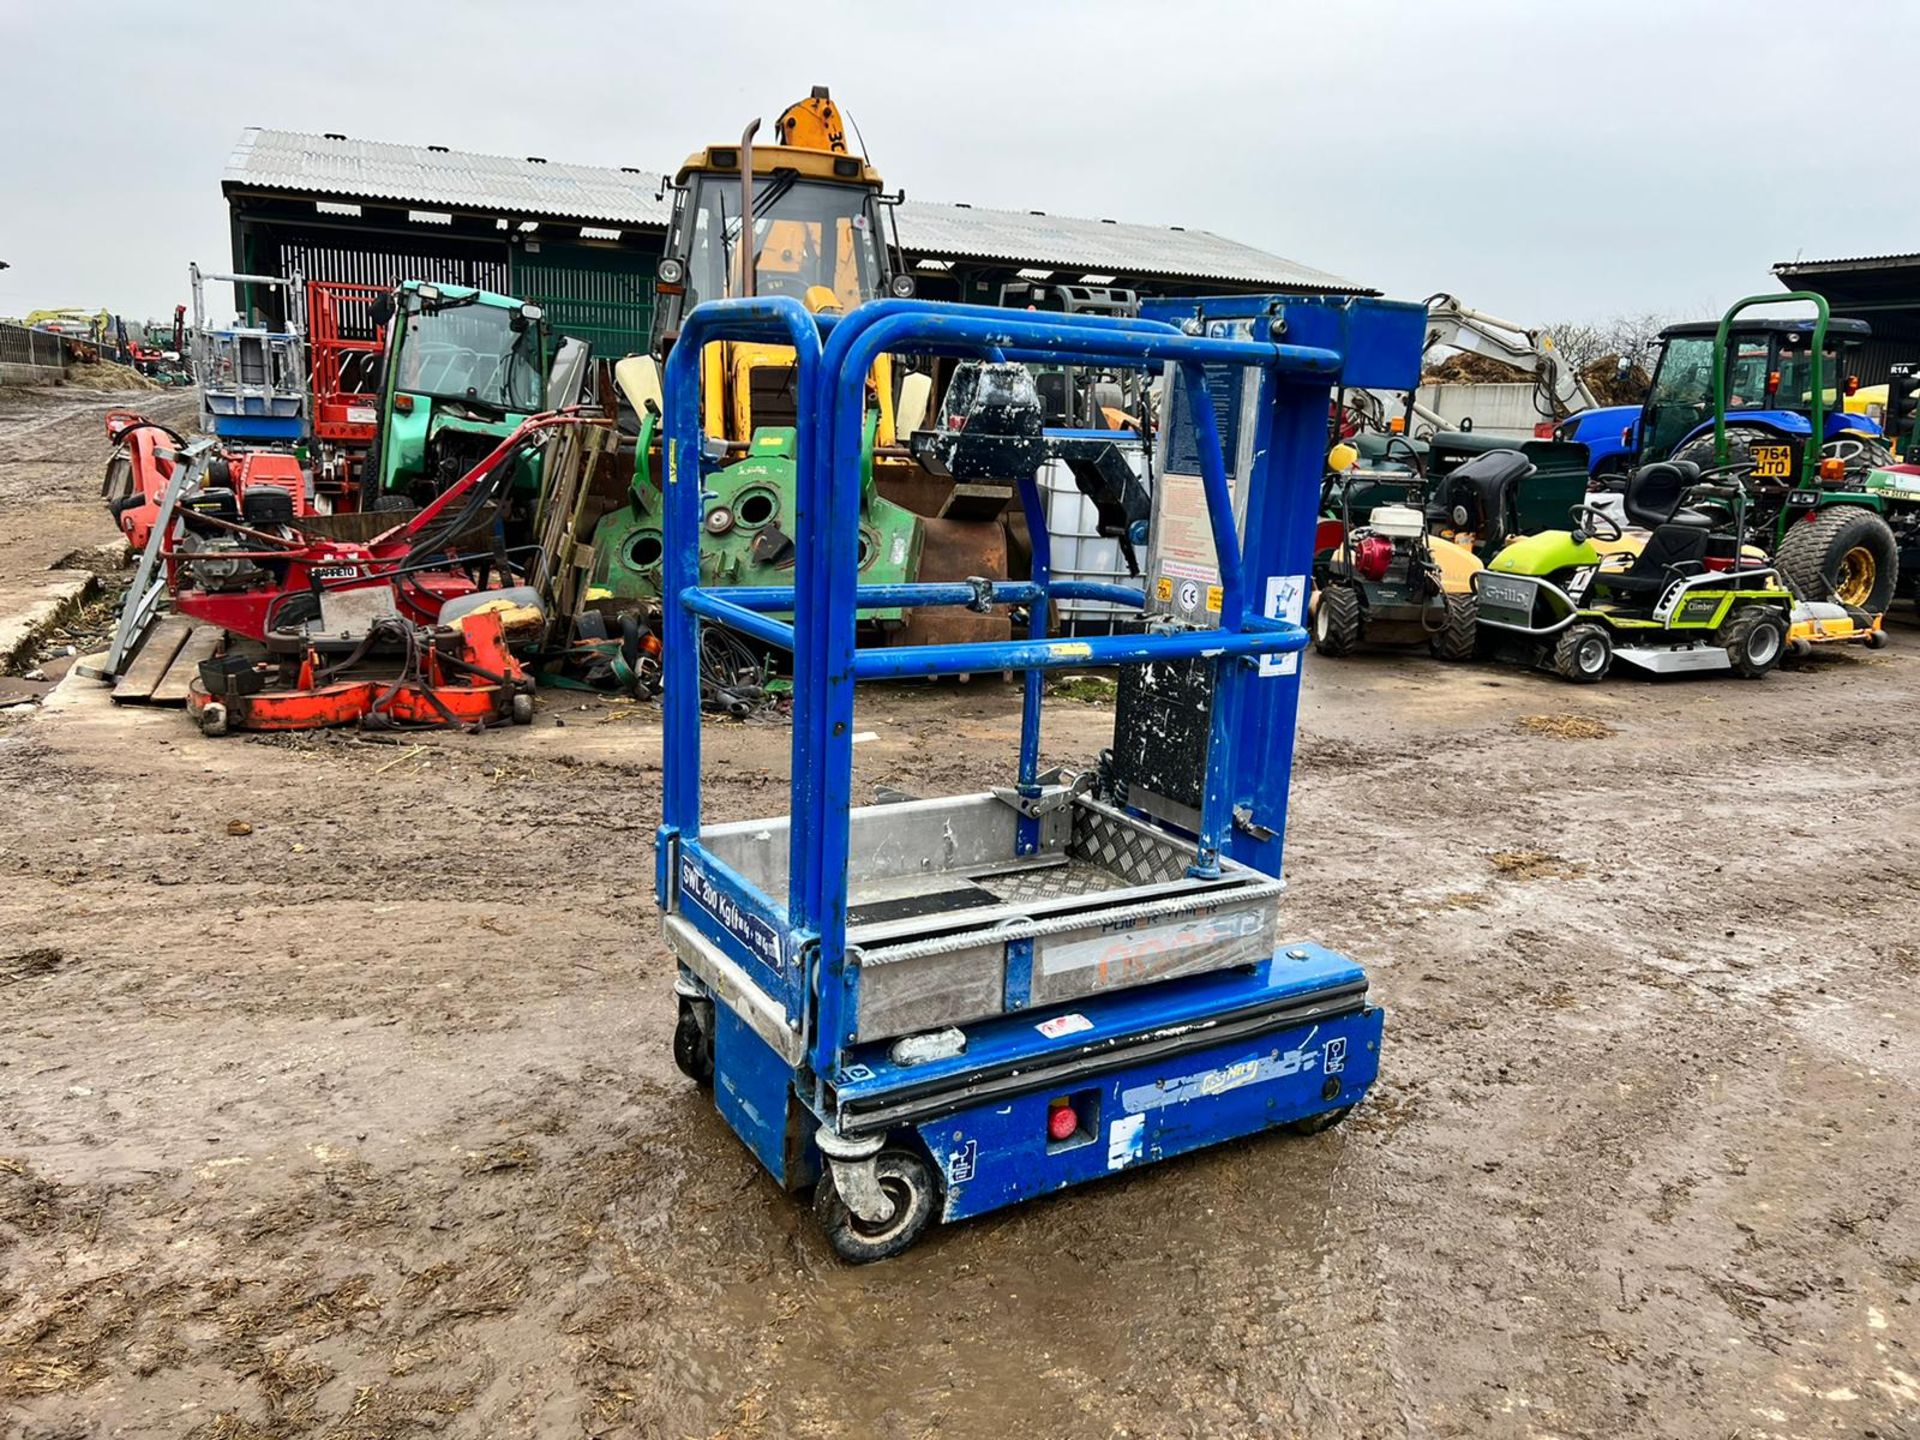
{"type": "Point", "coordinates": [482, 685]}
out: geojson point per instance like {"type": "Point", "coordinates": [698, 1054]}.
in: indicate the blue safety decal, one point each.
{"type": "Point", "coordinates": [1274, 1065]}
{"type": "Point", "coordinates": [762, 940]}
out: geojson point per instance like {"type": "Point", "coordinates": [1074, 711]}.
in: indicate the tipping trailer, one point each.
{"type": "Point", "coordinates": [942, 1006]}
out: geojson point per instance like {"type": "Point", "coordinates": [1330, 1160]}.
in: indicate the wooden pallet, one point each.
{"type": "Point", "coordinates": [166, 662]}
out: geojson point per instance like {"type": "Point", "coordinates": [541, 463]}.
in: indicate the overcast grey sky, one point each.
{"type": "Point", "coordinates": [1541, 160]}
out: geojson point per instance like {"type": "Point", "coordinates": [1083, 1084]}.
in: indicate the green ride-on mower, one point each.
{"type": "Point", "coordinates": [1693, 599]}
{"type": "Point", "coordinates": [1389, 580]}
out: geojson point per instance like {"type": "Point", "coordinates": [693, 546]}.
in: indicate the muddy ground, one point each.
{"type": "Point", "coordinates": [53, 452]}
{"type": "Point", "coordinates": [336, 1099]}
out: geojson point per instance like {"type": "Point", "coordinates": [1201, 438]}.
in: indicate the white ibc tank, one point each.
{"type": "Point", "coordinates": [1080, 552]}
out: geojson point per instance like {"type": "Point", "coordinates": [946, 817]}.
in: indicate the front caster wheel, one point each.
{"type": "Point", "coordinates": [522, 709]}
{"type": "Point", "coordinates": [906, 1181]}
{"type": "Point", "coordinates": [693, 1041]}
{"type": "Point", "coordinates": [213, 720]}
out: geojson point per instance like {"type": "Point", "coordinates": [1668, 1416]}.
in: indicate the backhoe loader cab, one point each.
{"type": "Point", "coordinates": [800, 218]}
{"type": "Point", "coordinates": [815, 230]}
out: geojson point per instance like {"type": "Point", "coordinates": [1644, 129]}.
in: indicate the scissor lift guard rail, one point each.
{"type": "Point", "coordinates": [943, 1006]}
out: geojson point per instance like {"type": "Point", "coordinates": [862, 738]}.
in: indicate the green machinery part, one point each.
{"type": "Point", "coordinates": [748, 536]}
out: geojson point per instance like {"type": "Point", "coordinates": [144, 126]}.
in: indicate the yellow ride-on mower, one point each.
{"type": "Point", "coordinates": [1390, 580]}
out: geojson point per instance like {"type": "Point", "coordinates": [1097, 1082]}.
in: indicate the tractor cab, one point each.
{"type": "Point", "coordinates": [460, 370]}
{"type": "Point", "coordinates": [1772, 372]}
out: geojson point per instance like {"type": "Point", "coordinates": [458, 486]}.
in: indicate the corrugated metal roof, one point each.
{"type": "Point", "coordinates": [289, 162]}
{"type": "Point", "coordinates": [1099, 245]}
{"type": "Point", "coordinates": [1859, 262]}
{"type": "Point", "coordinates": [285, 160]}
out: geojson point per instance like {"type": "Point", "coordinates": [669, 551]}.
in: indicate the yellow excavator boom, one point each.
{"type": "Point", "coordinates": [812, 124]}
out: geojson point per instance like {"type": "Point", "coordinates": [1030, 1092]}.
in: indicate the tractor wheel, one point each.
{"type": "Point", "coordinates": [1337, 621]}
{"type": "Point", "coordinates": [1462, 633]}
{"type": "Point", "coordinates": [1754, 639]}
{"type": "Point", "coordinates": [1846, 552]}
{"type": "Point", "coordinates": [1859, 452]}
{"type": "Point", "coordinates": [907, 1182]}
{"type": "Point", "coordinates": [1583, 653]}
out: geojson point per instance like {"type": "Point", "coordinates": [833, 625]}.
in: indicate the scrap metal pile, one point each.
{"type": "Point", "coordinates": [409, 505]}
{"type": "Point", "coordinates": [385, 476]}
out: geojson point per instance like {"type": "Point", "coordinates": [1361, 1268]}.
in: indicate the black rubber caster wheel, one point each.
{"type": "Point", "coordinates": [907, 1181]}
{"type": "Point", "coordinates": [693, 1041]}
{"type": "Point", "coordinates": [1315, 1124]}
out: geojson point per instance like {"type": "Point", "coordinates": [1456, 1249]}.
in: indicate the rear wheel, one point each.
{"type": "Point", "coordinates": [1846, 552]}
{"type": "Point", "coordinates": [1337, 621]}
{"type": "Point", "coordinates": [1740, 442]}
{"type": "Point", "coordinates": [1859, 452]}
{"type": "Point", "coordinates": [1458, 639]}
{"type": "Point", "coordinates": [1754, 640]}
{"type": "Point", "coordinates": [906, 1181]}
{"type": "Point", "coordinates": [1583, 653]}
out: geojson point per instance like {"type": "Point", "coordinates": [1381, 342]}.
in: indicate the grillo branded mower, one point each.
{"type": "Point", "coordinates": [935, 1008]}
{"type": "Point", "coordinates": [1692, 599]}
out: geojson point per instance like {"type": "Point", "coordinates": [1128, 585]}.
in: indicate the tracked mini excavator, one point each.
{"type": "Point", "coordinates": [804, 218]}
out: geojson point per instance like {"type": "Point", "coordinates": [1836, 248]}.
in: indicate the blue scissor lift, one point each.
{"type": "Point", "coordinates": [942, 1006]}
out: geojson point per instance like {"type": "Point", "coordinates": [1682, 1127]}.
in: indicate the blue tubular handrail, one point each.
{"type": "Point", "coordinates": [829, 652]}
{"type": "Point", "coordinates": [829, 613]}
{"type": "Point", "coordinates": [908, 661]}
{"type": "Point", "coordinates": [715, 605]}
{"type": "Point", "coordinates": [776, 318]}
{"type": "Point", "coordinates": [763, 598]}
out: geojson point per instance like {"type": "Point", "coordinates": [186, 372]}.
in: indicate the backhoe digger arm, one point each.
{"type": "Point", "coordinates": [1451, 325]}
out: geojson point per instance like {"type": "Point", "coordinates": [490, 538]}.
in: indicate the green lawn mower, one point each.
{"type": "Point", "coordinates": [1693, 599]}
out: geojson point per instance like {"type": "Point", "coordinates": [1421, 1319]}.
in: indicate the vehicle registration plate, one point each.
{"type": "Point", "coordinates": [1772, 462]}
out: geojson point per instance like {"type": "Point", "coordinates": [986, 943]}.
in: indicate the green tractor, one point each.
{"type": "Point", "coordinates": [462, 368]}
{"type": "Point", "coordinates": [1764, 397]}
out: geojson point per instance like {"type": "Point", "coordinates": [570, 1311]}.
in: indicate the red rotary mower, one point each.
{"type": "Point", "coordinates": [409, 626]}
